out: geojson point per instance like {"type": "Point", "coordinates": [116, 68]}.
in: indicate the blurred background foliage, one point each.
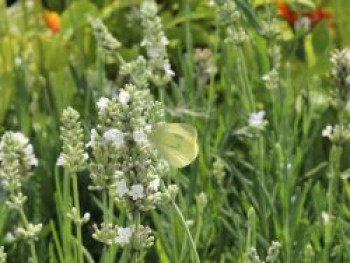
{"type": "Point", "coordinates": [282, 173]}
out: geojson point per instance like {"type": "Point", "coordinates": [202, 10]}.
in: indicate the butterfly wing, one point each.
{"type": "Point", "coordinates": [176, 142]}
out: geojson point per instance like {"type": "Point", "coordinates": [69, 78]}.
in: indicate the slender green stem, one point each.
{"type": "Point", "coordinates": [38, 11]}
{"type": "Point", "coordinates": [111, 249]}
{"type": "Point", "coordinates": [78, 225]}
{"type": "Point", "coordinates": [66, 221]}
{"type": "Point", "coordinates": [335, 157]}
{"type": "Point", "coordinates": [105, 206]}
{"type": "Point", "coordinates": [199, 228]}
{"type": "Point", "coordinates": [137, 219]}
{"type": "Point", "coordinates": [4, 19]}
{"type": "Point", "coordinates": [183, 221]}
{"type": "Point", "coordinates": [57, 242]}
{"type": "Point", "coordinates": [25, 15]}
{"type": "Point", "coordinates": [31, 242]}
{"type": "Point", "coordinates": [245, 79]}
{"type": "Point", "coordinates": [107, 219]}
{"type": "Point", "coordinates": [33, 251]}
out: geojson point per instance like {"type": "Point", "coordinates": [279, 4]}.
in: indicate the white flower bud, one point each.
{"type": "Point", "coordinates": [86, 218]}
{"type": "Point", "coordinates": [136, 192]}
{"type": "Point", "coordinates": [115, 137]}
{"type": "Point", "coordinates": [102, 104]}
{"type": "Point", "coordinates": [123, 97]}
{"type": "Point", "coordinates": [124, 235]}
{"type": "Point", "coordinates": [122, 188]}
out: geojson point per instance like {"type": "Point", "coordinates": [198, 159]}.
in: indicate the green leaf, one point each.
{"type": "Point", "coordinates": [161, 252]}
{"type": "Point", "coordinates": [321, 39]}
{"type": "Point", "coordinates": [7, 85]}
{"type": "Point", "coordinates": [63, 87]}
{"type": "Point", "coordinates": [77, 13]}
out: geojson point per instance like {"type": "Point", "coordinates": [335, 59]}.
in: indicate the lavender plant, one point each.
{"type": "Point", "coordinates": [16, 162]}
{"type": "Point", "coordinates": [155, 43]}
{"type": "Point", "coordinates": [229, 17]}
{"type": "Point", "coordinates": [73, 158]}
{"type": "Point", "coordinates": [272, 33]}
{"type": "Point", "coordinates": [156, 69]}
{"type": "Point", "coordinates": [3, 255]}
{"type": "Point", "coordinates": [272, 254]}
{"type": "Point", "coordinates": [339, 134]}
{"type": "Point", "coordinates": [126, 167]}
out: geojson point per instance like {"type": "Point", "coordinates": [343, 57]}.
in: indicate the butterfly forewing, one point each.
{"type": "Point", "coordinates": [176, 142]}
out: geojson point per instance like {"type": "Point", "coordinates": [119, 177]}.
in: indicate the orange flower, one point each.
{"type": "Point", "coordinates": [52, 20]}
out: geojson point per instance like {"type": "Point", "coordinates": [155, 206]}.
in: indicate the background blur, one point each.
{"type": "Point", "coordinates": [49, 60]}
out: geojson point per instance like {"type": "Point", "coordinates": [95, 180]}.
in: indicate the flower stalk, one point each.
{"type": "Point", "coordinates": [338, 134]}
{"type": "Point", "coordinates": [16, 161]}
{"type": "Point", "coordinates": [73, 159]}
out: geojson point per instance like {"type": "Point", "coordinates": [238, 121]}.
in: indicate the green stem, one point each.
{"type": "Point", "coordinates": [105, 206]}
{"type": "Point", "coordinates": [199, 228]}
{"type": "Point", "coordinates": [78, 225]}
{"type": "Point", "coordinates": [335, 157]}
{"type": "Point", "coordinates": [4, 19]}
{"type": "Point", "coordinates": [137, 219]}
{"type": "Point", "coordinates": [245, 80]}
{"type": "Point", "coordinates": [31, 242]}
{"type": "Point", "coordinates": [107, 219]}
{"type": "Point", "coordinates": [251, 238]}
{"type": "Point", "coordinates": [66, 221]}
{"type": "Point", "coordinates": [111, 249]}
{"type": "Point", "coordinates": [33, 251]}
{"type": "Point", "coordinates": [38, 12]}
{"type": "Point", "coordinates": [25, 15]}
{"type": "Point", "coordinates": [183, 221]}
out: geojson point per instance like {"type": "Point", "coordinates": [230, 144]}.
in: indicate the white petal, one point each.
{"type": "Point", "coordinates": [154, 184]}
{"type": "Point", "coordinates": [115, 137]}
{"type": "Point", "coordinates": [60, 161]}
{"type": "Point", "coordinates": [136, 192]}
{"type": "Point", "coordinates": [140, 137]}
{"type": "Point", "coordinates": [123, 97]}
{"type": "Point", "coordinates": [102, 103]}
{"type": "Point", "coordinates": [122, 188]}
{"type": "Point", "coordinates": [124, 235]}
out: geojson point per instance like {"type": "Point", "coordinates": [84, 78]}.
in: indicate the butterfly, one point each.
{"type": "Point", "coordinates": [176, 143]}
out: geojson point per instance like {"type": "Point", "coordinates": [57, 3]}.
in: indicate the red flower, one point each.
{"type": "Point", "coordinates": [318, 15]}
{"type": "Point", "coordinates": [288, 14]}
{"type": "Point", "coordinates": [293, 18]}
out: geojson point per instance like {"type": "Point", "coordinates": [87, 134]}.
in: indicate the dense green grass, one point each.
{"type": "Point", "coordinates": [273, 184]}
